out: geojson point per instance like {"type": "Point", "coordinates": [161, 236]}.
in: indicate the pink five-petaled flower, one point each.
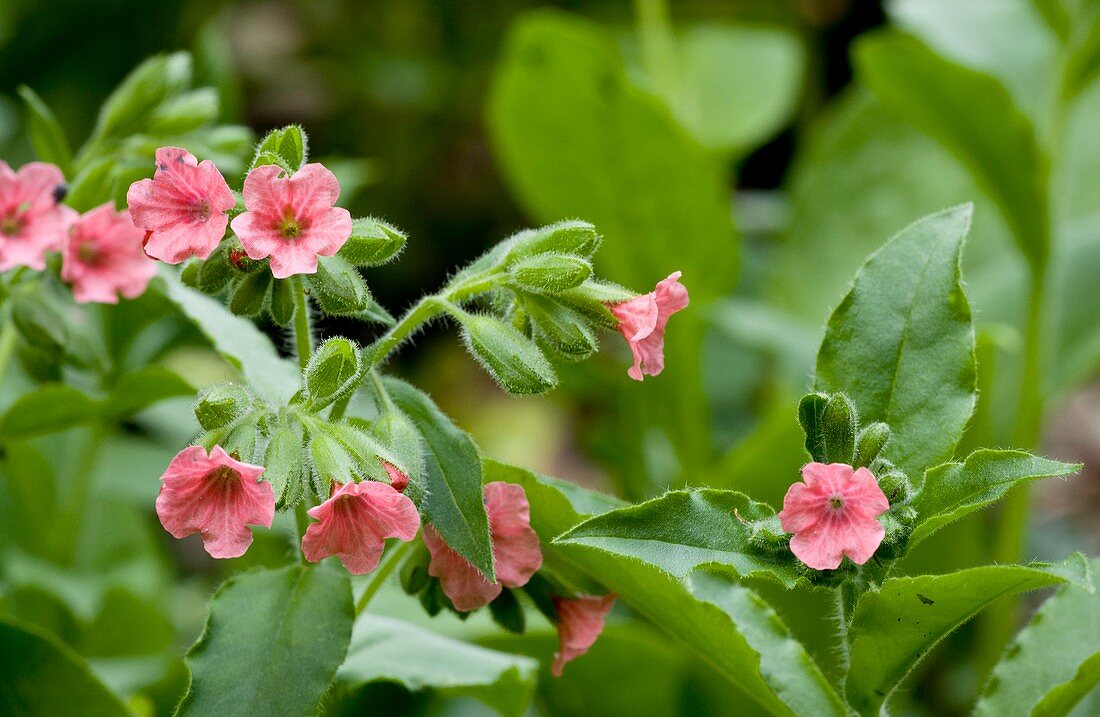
{"type": "Point", "coordinates": [516, 553]}
{"type": "Point", "coordinates": [182, 208]}
{"type": "Point", "coordinates": [580, 622]}
{"type": "Point", "coordinates": [355, 522]}
{"type": "Point", "coordinates": [103, 255]}
{"type": "Point", "coordinates": [833, 514]}
{"type": "Point", "coordinates": [216, 496]}
{"type": "Point", "coordinates": [292, 219]}
{"type": "Point", "coordinates": [31, 221]}
{"type": "Point", "coordinates": [642, 321]}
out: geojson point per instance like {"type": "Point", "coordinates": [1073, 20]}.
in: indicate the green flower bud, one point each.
{"type": "Point", "coordinates": [338, 288]}
{"type": "Point", "coordinates": [373, 242]}
{"type": "Point", "coordinates": [512, 359]}
{"type": "Point", "coordinates": [549, 273]}
{"type": "Point", "coordinates": [222, 404]}
{"type": "Point", "coordinates": [870, 442]}
{"type": "Point", "coordinates": [335, 369]}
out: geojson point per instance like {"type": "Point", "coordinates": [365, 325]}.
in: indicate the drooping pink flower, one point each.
{"type": "Point", "coordinates": [398, 480]}
{"type": "Point", "coordinates": [292, 219]}
{"type": "Point", "coordinates": [102, 257]}
{"type": "Point", "coordinates": [355, 522]}
{"type": "Point", "coordinates": [833, 514]}
{"type": "Point", "coordinates": [31, 220]}
{"type": "Point", "coordinates": [182, 208]}
{"type": "Point", "coordinates": [216, 496]}
{"type": "Point", "coordinates": [516, 553]}
{"type": "Point", "coordinates": [580, 622]}
{"type": "Point", "coordinates": [642, 321]}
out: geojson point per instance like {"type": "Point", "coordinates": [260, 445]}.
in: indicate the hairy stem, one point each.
{"type": "Point", "coordinates": [396, 558]}
{"type": "Point", "coordinates": [301, 522]}
{"type": "Point", "coordinates": [303, 335]}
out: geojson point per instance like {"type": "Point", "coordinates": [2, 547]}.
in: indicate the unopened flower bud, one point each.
{"type": "Point", "coordinates": [870, 442]}
{"type": "Point", "coordinates": [220, 405]}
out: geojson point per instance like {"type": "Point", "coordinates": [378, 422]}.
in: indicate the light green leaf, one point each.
{"type": "Point", "coordinates": [46, 134]}
{"type": "Point", "coordinates": [452, 477]}
{"type": "Point", "coordinates": [39, 675]}
{"type": "Point", "coordinates": [51, 408]}
{"type": "Point", "coordinates": [133, 101]}
{"type": "Point", "coordinates": [237, 339]}
{"type": "Point", "coordinates": [387, 650]}
{"type": "Point", "coordinates": [954, 105]}
{"type": "Point", "coordinates": [1053, 661]}
{"type": "Point", "coordinates": [272, 643]}
{"type": "Point", "coordinates": [901, 343]}
{"type": "Point", "coordinates": [953, 490]}
{"type": "Point", "coordinates": [895, 626]}
{"type": "Point", "coordinates": [142, 388]}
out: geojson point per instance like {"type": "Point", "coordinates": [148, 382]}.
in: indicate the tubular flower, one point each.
{"type": "Point", "coordinates": [182, 208]}
{"type": "Point", "coordinates": [833, 514]}
{"type": "Point", "coordinates": [642, 321]}
{"type": "Point", "coordinates": [292, 219]}
{"type": "Point", "coordinates": [355, 522]}
{"type": "Point", "coordinates": [580, 622]}
{"type": "Point", "coordinates": [516, 553]}
{"type": "Point", "coordinates": [216, 496]}
{"type": "Point", "coordinates": [398, 480]}
{"type": "Point", "coordinates": [102, 257]}
{"type": "Point", "coordinates": [31, 220]}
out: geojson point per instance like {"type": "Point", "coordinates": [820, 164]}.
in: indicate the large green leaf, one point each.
{"type": "Point", "coordinates": [142, 388]}
{"type": "Point", "coordinates": [895, 626]}
{"type": "Point", "coordinates": [47, 137]}
{"type": "Point", "coordinates": [51, 408]}
{"type": "Point", "coordinates": [953, 490]}
{"type": "Point", "coordinates": [973, 116]}
{"type": "Point", "coordinates": [237, 339]}
{"type": "Point", "coordinates": [272, 643]}
{"type": "Point", "coordinates": [685, 530]}
{"type": "Point", "coordinates": [39, 676]}
{"type": "Point", "coordinates": [901, 343]}
{"type": "Point", "coordinates": [1052, 662]}
{"type": "Point", "coordinates": [387, 650]}
{"type": "Point", "coordinates": [452, 477]}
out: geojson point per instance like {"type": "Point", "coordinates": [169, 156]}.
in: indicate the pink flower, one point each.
{"type": "Point", "coordinates": [642, 322]}
{"type": "Point", "coordinates": [182, 208]}
{"type": "Point", "coordinates": [580, 622]}
{"type": "Point", "coordinates": [833, 514]}
{"type": "Point", "coordinates": [292, 219]}
{"type": "Point", "coordinates": [31, 221]}
{"type": "Point", "coordinates": [103, 256]}
{"type": "Point", "coordinates": [516, 553]}
{"type": "Point", "coordinates": [355, 522]}
{"type": "Point", "coordinates": [398, 480]}
{"type": "Point", "coordinates": [216, 496]}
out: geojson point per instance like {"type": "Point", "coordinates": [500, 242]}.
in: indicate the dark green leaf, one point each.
{"type": "Point", "coordinates": [282, 302]}
{"type": "Point", "coordinates": [249, 296]}
{"type": "Point", "coordinates": [272, 643]}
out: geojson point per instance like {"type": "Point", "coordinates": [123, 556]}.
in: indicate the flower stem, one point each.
{"type": "Point", "coordinates": [396, 558]}
{"type": "Point", "coordinates": [303, 335]}
{"type": "Point", "coordinates": [7, 344]}
{"type": "Point", "coordinates": [301, 521]}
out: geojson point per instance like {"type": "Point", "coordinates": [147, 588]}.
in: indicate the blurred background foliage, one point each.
{"type": "Point", "coordinates": [748, 143]}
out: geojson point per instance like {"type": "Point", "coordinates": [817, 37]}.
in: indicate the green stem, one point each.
{"type": "Point", "coordinates": [379, 578]}
{"type": "Point", "coordinates": [77, 503]}
{"type": "Point", "coordinates": [7, 344]}
{"type": "Point", "coordinates": [846, 596]}
{"type": "Point", "coordinates": [657, 44]}
{"type": "Point", "coordinates": [303, 335]}
{"type": "Point", "coordinates": [301, 521]}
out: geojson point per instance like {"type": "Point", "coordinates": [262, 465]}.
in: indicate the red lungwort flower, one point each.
{"type": "Point", "coordinates": [833, 514]}
{"type": "Point", "coordinates": [182, 208]}
{"type": "Point", "coordinates": [642, 321]}
{"type": "Point", "coordinates": [292, 219]}
{"type": "Point", "coordinates": [355, 522]}
{"type": "Point", "coordinates": [580, 622]}
{"type": "Point", "coordinates": [398, 480]}
{"type": "Point", "coordinates": [216, 496]}
{"type": "Point", "coordinates": [103, 256]}
{"type": "Point", "coordinates": [516, 553]}
{"type": "Point", "coordinates": [31, 221]}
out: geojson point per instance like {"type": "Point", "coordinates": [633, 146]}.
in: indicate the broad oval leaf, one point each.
{"type": "Point", "coordinates": [272, 643]}
{"type": "Point", "coordinates": [901, 343]}
{"type": "Point", "coordinates": [387, 650]}
{"type": "Point", "coordinates": [51, 408]}
{"type": "Point", "coordinates": [452, 478]}
{"type": "Point", "coordinates": [895, 626]}
{"type": "Point", "coordinates": [39, 675]}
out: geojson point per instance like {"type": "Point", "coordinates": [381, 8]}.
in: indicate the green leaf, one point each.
{"type": "Point", "coordinates": [335, 369]}
{"type": "Point", "coordinates": [512, 359]}
{"type": "Point", "coordinates": [92, 185]}
{"type": "Point", "coordinates": [185, 113]}
{"type": "Point", "coordinates": [282, 302]}
{"type": "Point", "coordinates": [249, 296]}
{"type": "Point", "coordinates": [287, 146]}
{"type": "Point", "coordinates": [955, 105]}
{"type": "Point", "coordinates": [576, 138]}
{"type": "Point", "coordinates": [895, 626]}
{"type": "Point", "coordinates": [388, 650]}
{"type": "Point", "coordinates": [47, 137]}
{"type": "Point", "coordinates": [237, 339]}
{"type": "Point", "coordinates": [272, 643]}
{"type": "Point", "coordinates": [953, 490]}
{"type": "Point", "coordinates": [134, 100]}
{"type": "Point", "coordinates": [42, 676]}
{"type": "Point", "coordinates": [1053, 661]}
{"type": "Point", "coordinates": [452, 476]}
{"type": "Point", "coordinates": [142, 388]}
{"type": "Point", "coordinates": [283, 461]}
{"type": "Point", "coordinates": [373, 242]}
{"type": "Point", "coordinates": [685, 530]}
{"type": "Point", "coordinates": [901, 344]}
{"type": "Point", "coordinates": [51, 408]}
